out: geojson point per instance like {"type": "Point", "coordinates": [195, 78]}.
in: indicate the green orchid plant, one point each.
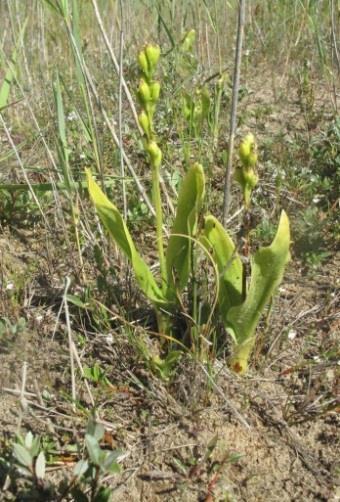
{"type": "Point", "coordinates": [240, 302]}
{"type": "Point", "coordinates": [175, 263]}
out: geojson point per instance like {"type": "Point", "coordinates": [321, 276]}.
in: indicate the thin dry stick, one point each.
{"type": "Point", "coordinates": [334, 35]}
{"type": "Point", "coordinates": [15, 150]}
{"type": "Point", "coordinates": [122, 82]}
{"type": "Point", "coordinates": [73, 350]}
{"type": "Point", "coordinates": [236, 85]}
{"type": "Point", "coordinates": [114, 61]}
{"type": "Point", "coordinates": [70, 343]}
{"type": "Point", "coordinates": [229, 403]}
{"type": "Point", "coordinates": [22, 399]}
{"type": "Point", "coordinates": [109, 124]}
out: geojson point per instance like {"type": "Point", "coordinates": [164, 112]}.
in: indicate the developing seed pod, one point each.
{"type": "Point", "coordinates": [155, 154]}
{"type": "Point", "coordinates": [152, 53]}
{"type": "Point", "coordinates": [144, 122]}
{"type": "Point", "coordinates": [248, 151]}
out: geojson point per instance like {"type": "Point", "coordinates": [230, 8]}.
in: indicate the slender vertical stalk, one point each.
{"type": "Point", "coordinates": [157, 202]}
{"type": "Point", "coordinates": [236, 85]}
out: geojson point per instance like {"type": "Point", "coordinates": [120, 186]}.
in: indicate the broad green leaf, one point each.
{"type": "Point", "coordinates": [93, 449]}
{"type": "Point", "coordinates": [267, 268]}
{"type": "Point", "coordinates": [22, 455]}
{"type": "Point", "coordinates": [29, 440]}
{"type": "Point", "coordinates": [110, 462]}
{"type": "Point", "coordinates": [218, 242]}
{"type": "Point", "coordinates": [104, 494]}
{"type": "Point", "coordinates": [40, 466]}
{"type": "Point", "coordinates": [80, 468]}
{"type": "Point", "coordinates": [190, 199]}
{"type": "Point", "coordinates": [114, 223]}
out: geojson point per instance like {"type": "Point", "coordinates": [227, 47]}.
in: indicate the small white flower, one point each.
{"type": "Point", "coordinates": [72, 116]}
{"type": "Point", "coordinates": [10, 285]}
{"type": "Point", "coordinates": [316, 199]}
{"type": "Point", "coordinates": [292, 334]}
{"type": "Point", "coordinates": [109, 339]}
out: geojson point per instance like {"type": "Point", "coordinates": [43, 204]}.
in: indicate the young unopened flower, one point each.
{"type": "Point", "coordinates": [246, 175]}
{"type": "Point", "coordinates": [144, 122]}
{"type": "Point", "coordinates": [144, 92]}
{"type": "Point", "coordinates": [155, 90]}
{"type": "Point", "coordinates": [155, 154]}
{"type": "Point", "coordinates": [152, 53]}
{"type": "Point", "coordinates": [143, 63]}
{"type": "Point", "coordinates": [188, 41]}
{"type": "Point", "coordinates": [248, 151]}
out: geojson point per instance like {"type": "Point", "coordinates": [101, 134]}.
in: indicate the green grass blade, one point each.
{"type": "Point", "coordinates": [63, 150]}
{"type": "Point", "coordinates": [10, 73]}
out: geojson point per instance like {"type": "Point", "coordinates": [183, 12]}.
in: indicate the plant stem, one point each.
{"type": "Point", "coordinates": [238, 362]}
{"type": "Point", "coordinates": [156, 198]}
{"type": "Point", "coordinates": [236, 84]}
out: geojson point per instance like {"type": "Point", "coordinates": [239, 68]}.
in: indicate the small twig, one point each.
{"type": "Point", "coordinates": [236, 85]}
{"type": "Point", "coordinates": [228, 403]}
{"type": "Point", "coordinates": [17, 392]}
{"type": "Point", "coordinates": [70, 343]}
{"type": "Point", "coordinates": [334, 36]}
{"type": "Point", "coordinates": [22, 399]}
{"type": "Point", "coordinates": [73, 351]}
{"type": "Point", "coordinates": [114, 61]}
{"type": "Point", "coordinates": [27, 181]}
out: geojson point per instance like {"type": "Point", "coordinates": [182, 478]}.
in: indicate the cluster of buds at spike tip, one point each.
{"type": "Point", "coordinates": [246, 175]}
{"type": "Point", "coordinates": [188, 41]}
{"type": "Point", "coordinates": [148, 59]}
{"type": "Point", "coordinates": [149, 89]}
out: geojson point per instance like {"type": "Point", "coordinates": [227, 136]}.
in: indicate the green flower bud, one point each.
{"type": "Point", "coordinates": [152, 53]}
{"type": "Point", "coordinates": [187, 107]}
{"type": "Point", "coordinates": [144, 122]}
{"type": "Point", "coordinates": [248, 151]}
{"type": "Point", "coordinates": [144, 92]}
{"type": "Point", "coordinates": [155, 154]}
{"type": "Point", "coordinates": [155, 90]}
{"type": "Point", "coordinates": [143, 63]}
{"type": "Point", "coordinates": [247, 178]}
{"type": "Point", "coordinates": [188, 41]}
{"type": "Point", "coordinates": [250, 177]}
{"type": "Point", "coordinates": [220, 82]}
